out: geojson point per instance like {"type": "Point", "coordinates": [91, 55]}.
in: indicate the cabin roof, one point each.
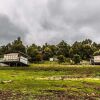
{"type": "Point", "coordinates": [18, 53]}
{"type": "Point", "coordinates": [97, 56]}
{"type": "Point", "coordinates": [11, 54]}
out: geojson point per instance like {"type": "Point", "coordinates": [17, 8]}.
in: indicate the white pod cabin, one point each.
{"type": "Point", "coordinates": [15, 59]}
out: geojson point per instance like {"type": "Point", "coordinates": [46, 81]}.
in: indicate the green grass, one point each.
{"type": "Point", "coordinates": [43, 79]}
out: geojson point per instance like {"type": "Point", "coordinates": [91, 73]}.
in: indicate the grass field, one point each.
{"type": "Point", "coordinates": [50, 82]}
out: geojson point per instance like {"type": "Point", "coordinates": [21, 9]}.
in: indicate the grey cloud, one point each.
{"type": "Point", "coordinates": [52, 20]}
{"type": "Point", "coordinates": [8, 30]}
{"type": "Point", "coordinates": [75, 23]}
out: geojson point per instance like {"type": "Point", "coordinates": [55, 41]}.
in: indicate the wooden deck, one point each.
{"type": "Point", "coordinates": [14, 63]}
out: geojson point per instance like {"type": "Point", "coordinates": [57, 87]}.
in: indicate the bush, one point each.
{"type": "Point", "coordinates": [61, 59]}
{"type": "Point", "coordinates": [96, 53]}
{"type": "Point", "coordinates": [76, 59]}
{"type": "Point", "coordinates": [39, 57]}
{"type": "Point", "coordinates": [68, 60]}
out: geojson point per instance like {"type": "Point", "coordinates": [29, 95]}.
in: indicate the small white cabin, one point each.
{"type": "Point", "coordinates": [15, 59]}
{"type": "Point", "coordinates": [95, 60]}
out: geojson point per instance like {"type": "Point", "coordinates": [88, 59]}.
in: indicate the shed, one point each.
{"type": "Point", "coordinates": [53, 59]}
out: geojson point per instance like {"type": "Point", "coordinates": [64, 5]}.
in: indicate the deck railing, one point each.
{"type": "Point", "coordinates": [20, 60]}
{"type": "Point", "coordinates": [3, 59]}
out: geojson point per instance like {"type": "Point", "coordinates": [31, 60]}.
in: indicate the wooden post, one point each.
{"type": "Point", "coordinates": [9, 64]}
{"type": "Point", "coordinates": [16, 64]}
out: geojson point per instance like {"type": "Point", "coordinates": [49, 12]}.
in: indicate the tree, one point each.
{"type": "Point", "coordinates": [71, 53]}
{"type": "Point", "coordinates": [63, 49]}
{"type": "Point", "coordinates": [17, 46]}
{"type": "Point", "coordinates": [3, 50]}
{"type": "Point", "coordinates": [48, 51]}
{"type": "Point", "coordinates": [87, 41]}
{"type": "Point", "coordinates": [61, 59]}
{"type": "Point", "coordinates": [87, 51]}
{"type": "Point", "coordinates": [9, 47]}
{"type": "Point", "coordinates": [53, 49]}
{"type": "Point", "coordinates": [32, 51]}
{"type": "Point", "coordinates": [76, 59]}
{"type": "Point", "coordinates": [39, 57]}
{"type": "Point", "coordinates": [76, 49]}
{"type": "Point", "coordinates": [84, 49]}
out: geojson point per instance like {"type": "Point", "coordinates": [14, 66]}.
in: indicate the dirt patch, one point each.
{"type": "Point", "coordinates": [65, 95]}
{"type": "Point", "coordinates": [55, 95]}
{"type": "Point", "coordinates": [9, 95]}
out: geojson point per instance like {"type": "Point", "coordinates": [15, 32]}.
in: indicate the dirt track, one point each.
{"type": "Point", "coordinates": [57, 95]}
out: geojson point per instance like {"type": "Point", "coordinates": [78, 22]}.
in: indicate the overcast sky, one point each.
{"type": "Point", "coordinates": [40, 21]}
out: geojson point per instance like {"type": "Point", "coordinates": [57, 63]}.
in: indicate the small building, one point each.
{"type": "Point", "coordinates": [53, 59]}
{"type": "Point", "coordinates": [95, 60]}
{"type": "Point", "coordinates": [15, 59]}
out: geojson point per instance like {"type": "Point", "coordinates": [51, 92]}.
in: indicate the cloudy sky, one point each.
{"type": "Point", "coordinates": [40, 21]}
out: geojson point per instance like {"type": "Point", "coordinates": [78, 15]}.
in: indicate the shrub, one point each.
{"type": "Point", "coordinates": [68, 60]}
{"type": "Point", "coordinates": [61, 59]}
{"type": "Point", "coordinates": [96, 53]}
{"type": "Point", "coordinates": [76, 59]}
{"type": "Point", "coordinates": [39, 57]}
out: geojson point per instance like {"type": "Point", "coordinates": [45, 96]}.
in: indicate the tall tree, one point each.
{"type": "Point", "coordinates": [17, 45]}
{"type": "Point", "coordinates": [76, 49]}
{"type": "Point", "coordinates": [47, 52]}
{"type": "Point", "coordinates": [33, 51]}
{"type": "Point", "coordinates": [63, 49]}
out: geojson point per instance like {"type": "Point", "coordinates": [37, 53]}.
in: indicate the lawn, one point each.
{"type": "Point", "coordinates": [50, 81]}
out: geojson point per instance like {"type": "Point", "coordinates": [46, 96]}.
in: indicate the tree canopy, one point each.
{"type": "Point", "coordinates": [84, 49]}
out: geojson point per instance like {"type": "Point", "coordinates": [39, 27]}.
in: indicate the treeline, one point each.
{"type": "Point", "coordinates": [83, 50]}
